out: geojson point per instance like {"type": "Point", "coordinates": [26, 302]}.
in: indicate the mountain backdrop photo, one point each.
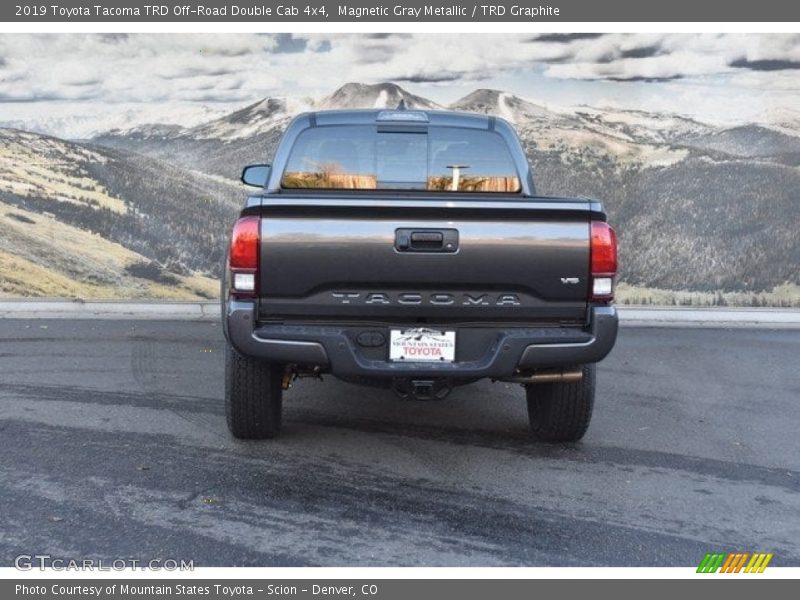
{"type": "Point", "coordinates": [120, 153]}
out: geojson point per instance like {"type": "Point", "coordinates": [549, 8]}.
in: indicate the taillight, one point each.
{"type": "Point", "coordinates": [243, 258]}
{"type": "Point", "coordinates": [603, 261]}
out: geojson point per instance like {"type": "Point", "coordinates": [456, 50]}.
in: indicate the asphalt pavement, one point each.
{"type": "Point", "coordinates": [114, 445]}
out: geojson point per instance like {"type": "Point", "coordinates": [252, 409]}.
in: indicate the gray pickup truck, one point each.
{"type": "Point", "coordinates": [408, 249]}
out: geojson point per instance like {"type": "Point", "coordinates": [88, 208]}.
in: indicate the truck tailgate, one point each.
{"type": "Point", "coordinates": [425, 261]}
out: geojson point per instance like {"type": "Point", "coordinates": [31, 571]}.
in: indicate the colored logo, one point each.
{"type": "Point", "coordinates": [735, 562]}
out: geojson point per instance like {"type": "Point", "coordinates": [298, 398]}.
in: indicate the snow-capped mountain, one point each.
{"type": "Point", "coordinates": [252, 120]}
{"type": "Point", "coordinates": [630, 135]}
{"type": "Point", "coordinates": [380, 95]}
{"type": "Point", "coordinates": [256, 127]}
{"type": "Point", "coordinates": [505, 105]}
{"type": "Point", "coordinates": [624, 135]}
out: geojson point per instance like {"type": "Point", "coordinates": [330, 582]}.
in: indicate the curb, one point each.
{"type": "Point", "coordinates": [755, 318]}
{"type": "Point", "coordinates": [109, 309]}
{"type": "Point", "coordinates": [630, 316]}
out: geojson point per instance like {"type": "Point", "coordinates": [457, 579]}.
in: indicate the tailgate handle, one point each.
{"type": "Point", "coordinates": [426, 240]}
{"type": "Point", "coordinates": [427, 237]}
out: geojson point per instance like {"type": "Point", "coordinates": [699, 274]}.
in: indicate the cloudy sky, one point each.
{"type": "Point", "coordinates": [77, 84]}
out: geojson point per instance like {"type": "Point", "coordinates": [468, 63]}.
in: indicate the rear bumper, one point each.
{"type": "Point", "coordinates": [481, 352]}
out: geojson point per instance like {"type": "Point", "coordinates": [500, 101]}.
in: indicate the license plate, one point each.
{"type": "Point", "coordinates": [422, 345]}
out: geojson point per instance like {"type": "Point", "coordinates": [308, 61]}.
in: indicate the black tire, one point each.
{"type": "Point", "coordinates": [253, 396]}
{"type": "Point", "coordinates": [560, 412]}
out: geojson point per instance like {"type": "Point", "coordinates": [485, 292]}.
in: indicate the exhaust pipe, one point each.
{"type": "Point", "coordinates": [547, 376]}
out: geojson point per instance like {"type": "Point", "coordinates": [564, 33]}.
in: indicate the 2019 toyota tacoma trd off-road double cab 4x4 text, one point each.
{"type": "Point", "coordinates": [409, 249]}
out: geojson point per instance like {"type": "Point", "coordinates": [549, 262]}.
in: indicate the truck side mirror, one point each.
{"type": "Point", "coordinates": [255, 175]}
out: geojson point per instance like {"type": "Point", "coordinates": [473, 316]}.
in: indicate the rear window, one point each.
{"type": "Point", "coordinates": [364, 157]}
